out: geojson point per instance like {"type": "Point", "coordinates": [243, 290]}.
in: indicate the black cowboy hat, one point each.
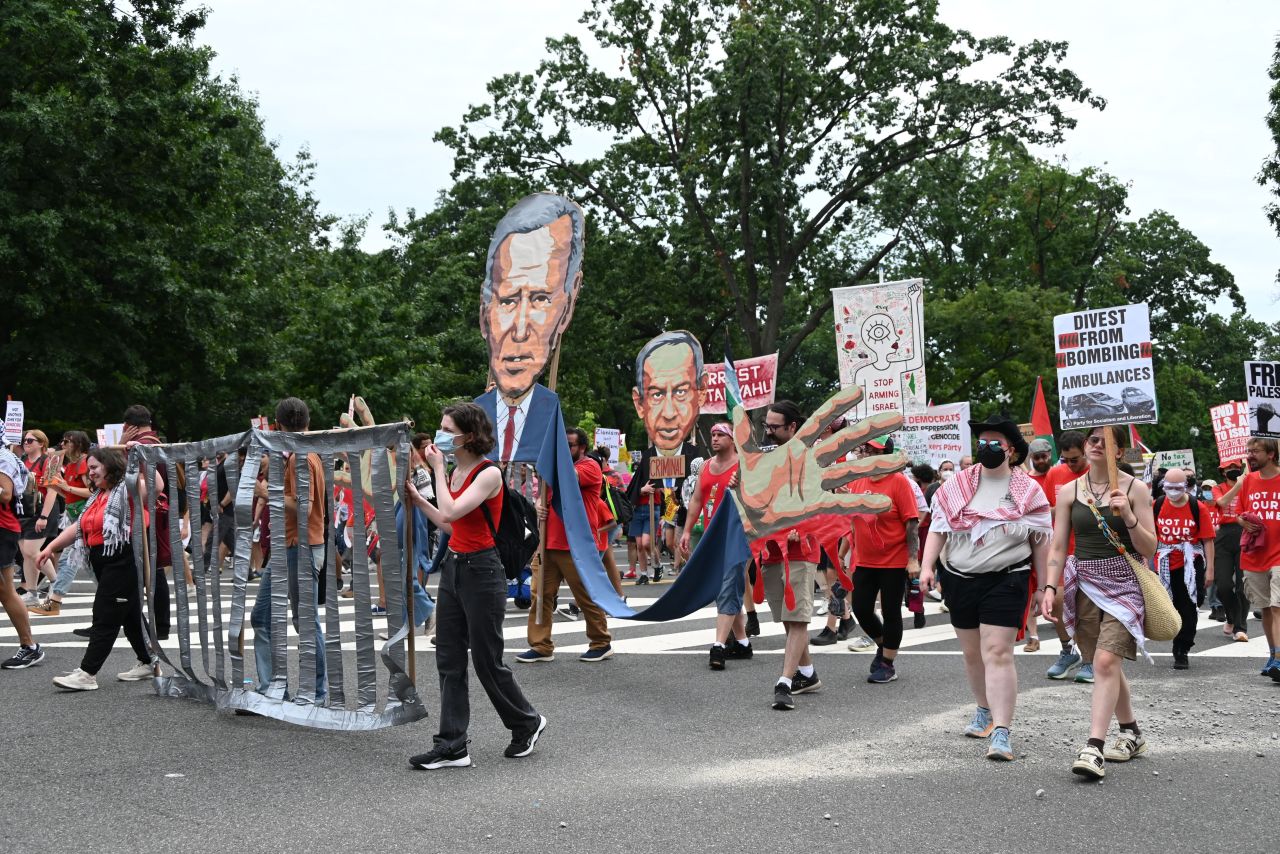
{"type": "Point", "coordinates": [1005, 426]}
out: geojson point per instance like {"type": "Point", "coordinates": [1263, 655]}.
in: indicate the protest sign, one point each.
{"type": "Point", "coordinates": [113, 433]}
{"type": "Point", "coordinates": [13, 415]}
{"type": "Point", "coordinates": [880, 345]}
{"type": "Point", "coordinates": [609, 438]}
{"type": "Point", "coordinates": [936, 434]}
{"type": "Point", "coordinates": [756, 381]}
{"type": "Point", "coordinates": [1105, 375]}
{"type": "Point", "coordinates": [1262, 380]}
{"type": "Point", "coordinates": [661, 468]}
{"type": "Point", "coordinates": [1170, 460]}
{"type": "Point", "coordinates": [1230, 429]}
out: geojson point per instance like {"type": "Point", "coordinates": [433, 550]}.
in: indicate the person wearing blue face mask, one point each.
{"type": "Point", "coordinates": [472, 598]}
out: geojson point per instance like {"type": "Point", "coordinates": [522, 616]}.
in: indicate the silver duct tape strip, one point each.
{"type": "Point", "coordinates": [199, 574]}
{"type": "Point", "coordinates": [332, 441]}
{"type": "Point", "coordinates": [278, 566]}
{"type": "Point", "coordinates": [332, 619]}
{"type": "Point", "coordinates": [133, 472]}
{"type": "Point", "coordinates": [306, 595]}
{"type": "Point", "coordinates": [366, 665]}
{"type": "Point", "coordinates": [178, 590]}
{"type": "Point", "coordinates": [246, 482]}
{"type": "Point", "coordinates": [321, 717]}
{"type": "Point", "coordinates": [393, 568]}
{"type": "Point", "coordinates": [214, 572]}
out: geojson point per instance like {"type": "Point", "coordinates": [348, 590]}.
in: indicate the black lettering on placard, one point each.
{"type": "Point", "coordinates": [1097, 319]}
{"type": "Point", "coordinates": [1262, 373]}
{"type": "Point", "coordinates": [1264, 391]}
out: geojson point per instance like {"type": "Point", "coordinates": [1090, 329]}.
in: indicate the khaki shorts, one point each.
{"type": "Point", "coordinates": [1263, 588]}
{"type": "Point", "coordinates": [802, 578]}
{"type": "Point", "coordinates": [1096, 629]}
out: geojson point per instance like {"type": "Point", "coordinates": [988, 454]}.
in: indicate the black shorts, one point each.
{"type": "Point", "coordinates": [8, 548]}
{"type": "Point", "coordinates": [993, 599]}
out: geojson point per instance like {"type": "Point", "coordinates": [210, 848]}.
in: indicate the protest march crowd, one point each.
{"type": "Point", "coordinates": [805, 514]}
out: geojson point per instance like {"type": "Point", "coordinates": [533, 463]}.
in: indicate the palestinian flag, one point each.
{"type": "Point", "coordinates": [1040, 422]}
{"type": "Point", "coordinates": [1135, 440]}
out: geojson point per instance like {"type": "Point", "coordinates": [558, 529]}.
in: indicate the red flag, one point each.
{"type": "Point", "coordinates": [1040, 422]}
{"type": "Point", "coordinates": [1136, 441]}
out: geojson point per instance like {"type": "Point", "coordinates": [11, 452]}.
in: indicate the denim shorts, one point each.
{"type": "Point", "coordinates": [639, 522]}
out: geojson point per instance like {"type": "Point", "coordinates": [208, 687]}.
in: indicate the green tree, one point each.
{"type": "Point", "coordinates": [746, 136]}
{"type": "Point", "coordinates": [1270, 174]}
{"type": "Point", "coordinates": [149, 235]}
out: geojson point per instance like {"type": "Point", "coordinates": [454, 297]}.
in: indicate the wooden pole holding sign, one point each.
{"type": "Point", "coordinates": [1113, 474]}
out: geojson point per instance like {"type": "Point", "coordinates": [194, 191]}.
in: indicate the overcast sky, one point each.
{"type": "Point", "coordinates": [365, 86]}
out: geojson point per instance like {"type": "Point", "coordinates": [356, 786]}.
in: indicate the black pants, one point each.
{"type": "Point", "coordinates": [469, 613]}
{"type": "Point", "coordinates": [891, 586]}
{"type": "Point", "coordinates": [1229, 577]}
{"type": "Point", "coordinates": [116, 605]}
{"type": "Point", "coordinates": [1185, 602]}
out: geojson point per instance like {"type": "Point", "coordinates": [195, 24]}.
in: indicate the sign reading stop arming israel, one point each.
{"type": "Point", "coordinates": [1105, 375]}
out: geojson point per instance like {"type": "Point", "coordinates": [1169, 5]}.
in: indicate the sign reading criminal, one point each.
{"type": "Point", "coordinates": [1105, 375]}
{"type": "Point", "coordinates": [1262, 379]}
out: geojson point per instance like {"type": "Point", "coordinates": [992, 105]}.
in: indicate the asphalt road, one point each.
{"type": "Point", "coordinates": [651, 751]}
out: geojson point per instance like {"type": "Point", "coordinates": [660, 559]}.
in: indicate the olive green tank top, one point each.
{"type": "Point", "coordinates": [1090, 542]}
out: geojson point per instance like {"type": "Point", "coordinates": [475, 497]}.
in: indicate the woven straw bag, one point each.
{"type": "Point", "coordinates": [1160, 621]}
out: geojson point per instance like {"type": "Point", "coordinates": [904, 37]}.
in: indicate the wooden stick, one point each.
{"type": "Point", "coordinates": [539, 558]}
{"type": "Point", "coordinates": [1113, 474]}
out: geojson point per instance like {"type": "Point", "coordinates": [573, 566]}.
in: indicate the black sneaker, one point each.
{"type": "Point", "coordinates": [26, 656]}
{"type": "Point", "coordinates": [84, 633]}
{"type": "Point", "coordinates": [522, 745]}
{"type": "Point", "coordinates": [782, 700]}
{"type": "Point", "coordinates": [919, 620]}
{"type": "Point", "coordinates": [801, 684]}
{"type": "Point", "coordinates": [1218, 615]}
{"type": "Point", "coordinates": [826, 637]}
{"type": "Point", "coordinates": [1180, 661]}
{"type": "Point", "coordinates": [844, 629]}
{"type": "Point", "coordinates": [753, 625]}
{"type": "Point", "coordinates": [718, 655]}
{"type": "Point", "coordinates": [439, 757]}
{"type": "Point", "coordinates": [875, 662]}
{"type": "Point", "coordinates": [738, 651]}
{"type": "Point", "coordinates": [657, 574]}
{"type": "Point", "coordinates": [642, 579]}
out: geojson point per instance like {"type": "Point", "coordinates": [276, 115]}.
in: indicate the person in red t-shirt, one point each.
{"type": "Point", "coordinates": [712, 490]}
{"type": "Point", "coordinates": [1041, 460]}
{"type": "Point", "coordinates": [471, 604]}
{"type": "Point", "coordinates": [29, 652]}
{"type": "Point", "coordinates": [1259, 494]}
{"type": "Point", "coordinates": [1184, 531]}
{"type": "Point", "coordinates": [558, 565]}
{"type": "Point", "coordinates": [888, 546]}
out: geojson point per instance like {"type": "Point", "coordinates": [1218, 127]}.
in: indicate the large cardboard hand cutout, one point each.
{"type": "Point", "coordinates": [793, 484]}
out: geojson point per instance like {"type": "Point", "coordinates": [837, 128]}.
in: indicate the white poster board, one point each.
{"type": "Point", "coordinates": [611, 439]}
{"type": "Point", "coordinates": [936, 433]}
{"type": "Point", "coordinates": [1170, 460]}
{"type": "Point", "coordinates": [1105, 375]}
{"type": "Point", "coordinates": [1262, 380]}
{"type": "Point", "coordinates": [113, 433]}
{"type": "Point", "coordinates": [13, 415]}
{"type": "Point", "coordinates": [880, 345]}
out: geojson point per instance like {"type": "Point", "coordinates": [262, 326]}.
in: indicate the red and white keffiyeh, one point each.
{"type": "Point", "coordinates": [1030, 508]}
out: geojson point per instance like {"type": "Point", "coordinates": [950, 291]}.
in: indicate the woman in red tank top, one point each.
{"type": "Point", "coordinates": [472, 601]}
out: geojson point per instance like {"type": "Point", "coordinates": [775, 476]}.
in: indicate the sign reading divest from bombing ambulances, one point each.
{"type": "Point", "coordinates": [1105, 375]}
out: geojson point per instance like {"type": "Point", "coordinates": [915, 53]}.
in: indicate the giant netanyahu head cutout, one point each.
{"type": "Point", "coordinates": [670, 389]}
{"type": "Point", "coordinates": [532, 276]}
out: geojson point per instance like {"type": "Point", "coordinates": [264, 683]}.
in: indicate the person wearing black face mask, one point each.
{"type": "Point", "coordinates": [1228, 575]}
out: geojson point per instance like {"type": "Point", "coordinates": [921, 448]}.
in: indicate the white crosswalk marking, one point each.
{"type": "Point", "coordinates": [689, 635]}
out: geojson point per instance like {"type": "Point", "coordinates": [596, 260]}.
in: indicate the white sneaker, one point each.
{"type": "Point", "coordinates": [76, 680]}
{"type": "Point", "coordinates": [30, 598]}
{"type": "Point", "coordinates": [861, 644]}
{"type": "Point", "coordinates": [191, 591]}
{"type": "Point", "coordinates": [136, 673]}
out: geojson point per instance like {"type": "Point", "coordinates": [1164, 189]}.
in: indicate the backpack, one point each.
{"type": "Point", "coordinates": [618, 503]}
{"type": "Point", "coordinates": [516, 534]}
{"type": "Point", "coordinates": [32, 497]}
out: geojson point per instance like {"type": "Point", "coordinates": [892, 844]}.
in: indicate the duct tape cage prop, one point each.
{"type": "Point", "coordinates": [382, 450]}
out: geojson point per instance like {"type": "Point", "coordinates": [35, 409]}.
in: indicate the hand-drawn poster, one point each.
{"type": "Point", "coordinates": [936, 434]}
{"type": "Point", "coordinates": [880, 345]}
{"type": "Point", "coordinates": [757, 379]}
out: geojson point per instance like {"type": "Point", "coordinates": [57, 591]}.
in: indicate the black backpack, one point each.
{"type": "Point", "coordinates": [516, 534]}
{"type": "Point", "coordinates": [618, 503]}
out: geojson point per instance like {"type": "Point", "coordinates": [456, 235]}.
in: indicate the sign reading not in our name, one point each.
{"type": "Point", "coordinates": [1105, 375]}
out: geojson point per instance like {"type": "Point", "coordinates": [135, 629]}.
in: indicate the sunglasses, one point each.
{"type": "Point", "coordinates": [770, 428]}
{"type": "Point", "coordinates": [991, 443]}
{"type": "Point", "coordinates": [1096, 440]}
{"type": "Point", "coordinates": [30, 440]}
